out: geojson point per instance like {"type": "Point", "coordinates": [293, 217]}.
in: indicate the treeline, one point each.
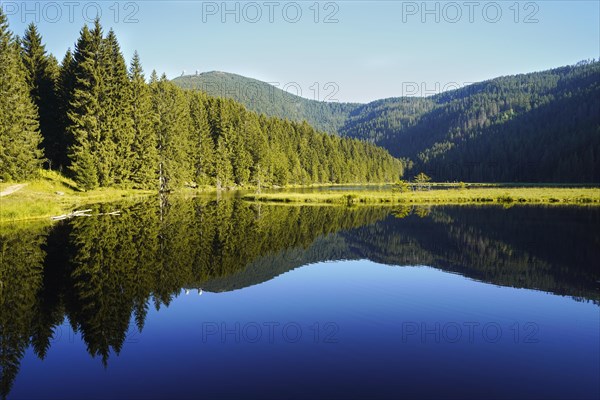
{"type": "Point", "coordinates": [98, 120]}
{"type": "Point", "coordinates": [271, 100]}
{"type": "Point", "coordinates": [538, 127]}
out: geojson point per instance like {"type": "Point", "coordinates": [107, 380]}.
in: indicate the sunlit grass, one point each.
{"type": "Point", "coordinates": [52, 194]}
{"type": "Point", "coordinates": [480, 195]}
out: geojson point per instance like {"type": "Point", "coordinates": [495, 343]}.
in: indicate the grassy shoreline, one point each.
{"type": "Point", "coordinates": [52, 194]}
{"type": "Point", "coordinates": [480, 195]}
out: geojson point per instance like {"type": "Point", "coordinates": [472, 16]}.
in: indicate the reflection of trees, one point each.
{"type": "Point", "coordinates": [555, 249]}
{"type": "Point", "coordinates": [49, 309]}
{"type": "Point", "coordinates": [103, 273]}
{"type": "Point", "coordinates": [537, 248]}
{"type": "Point", "coordinates": [109, 273]}
{"type": "Point", "coordinates": [21, 278]}
{"type": "Point", "coordinates": [120, 264]}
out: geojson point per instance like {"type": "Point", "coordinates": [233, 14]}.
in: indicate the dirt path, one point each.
{"type": "Point", "coordinates": [12, 189]}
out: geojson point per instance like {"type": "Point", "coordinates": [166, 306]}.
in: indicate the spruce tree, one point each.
{"type": "Point", "coordinates": [223, 167]}
{"type": "Point", "coordinates": [241, 159]}
{"type": "Point", "coordinates": [172, 129]}
{"type": "Point", "coordinates": [20, 155]}
{"type": "Point", "coordinates": [221, 132]}
{"type": "Point", "coordinates": [144, 159]}
{"type": "Point", "coordinates": [42, 73]}
{"type": "Point", "coordinates": [90, 150]}
{"type": "Point", "coordinates": [64, 91]}
{"type": "Point", "coordinates": [258, 148]}
{"type": "Point", "coordinates": [117, 131]}
{"type": "Point", "coordinates": [204, 159]}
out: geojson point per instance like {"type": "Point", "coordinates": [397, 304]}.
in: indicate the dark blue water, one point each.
{"type": "Point", "coordinates": [331, 323]}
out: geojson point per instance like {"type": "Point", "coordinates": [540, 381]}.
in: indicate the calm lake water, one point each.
{"type": "Point", "coordinates": [225, 299]}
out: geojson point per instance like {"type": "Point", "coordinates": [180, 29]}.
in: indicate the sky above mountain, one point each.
{"type": "Point", "coordinates": [343, 50]}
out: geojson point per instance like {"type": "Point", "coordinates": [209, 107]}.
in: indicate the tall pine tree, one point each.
{"type": "Point", "coordinates": [42, 73]}
{"type": "Point", "coordinates": [20, 155]}
{"type": "Point", "coordinates": [85, 114]}
{"type": "Point", "coordinates": [117, 134]}
{"type": "Point", "coordinates": [204, 159]}
{"type": "Point", "coordinates": [172, 128]}
{"type": "Point", "coordinates": [144, 158]}
{"type": "Point", "coordinates": [64, 90]}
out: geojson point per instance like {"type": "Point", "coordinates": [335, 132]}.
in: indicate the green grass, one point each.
{"type": "Point", "coordinates": [480, 195]}
{"type": "Point", "coordinates": [52, 194]}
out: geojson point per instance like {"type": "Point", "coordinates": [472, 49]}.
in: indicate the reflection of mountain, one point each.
{"type": "Point", "coordinates": [100, 272]}
{"type": "Point", "coordinates": [324, 248]}
{"type": "Point", "coordinates": [535, 248]}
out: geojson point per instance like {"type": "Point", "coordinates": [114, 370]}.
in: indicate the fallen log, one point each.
{"type": "Point", "coordinates": [81, 213]}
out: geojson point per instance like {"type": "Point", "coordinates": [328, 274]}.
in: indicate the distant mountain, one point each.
{"type": "Point", "coordinates": [536, 127]}
{"type": "Point", "coordinates": [542, 126]}
{"type": "Point", "coordinates": [267, 99]}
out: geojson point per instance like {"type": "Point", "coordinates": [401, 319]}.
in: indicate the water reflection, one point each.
{"type": "Point", "coordinates": [102, 272]}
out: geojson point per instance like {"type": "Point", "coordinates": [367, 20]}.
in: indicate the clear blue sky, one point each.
{"type": "Point", "coordinates": [376, 49]}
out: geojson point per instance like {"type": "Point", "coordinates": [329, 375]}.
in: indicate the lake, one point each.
{"type": "Point", "coordinates": [220, 298]}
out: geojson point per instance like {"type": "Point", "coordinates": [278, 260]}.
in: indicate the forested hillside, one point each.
{"type": "Point", "coordinates": [264, 98]}
{"type": "Point", "coordinates": [543, 127]}
{"type": "Point", "coordinates": [537, 127]}
{"type": "Point", "coordinates": [99, 121]}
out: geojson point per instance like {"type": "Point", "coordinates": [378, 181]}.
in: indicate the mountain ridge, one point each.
{"type": "Point", "coordinates": [486, 131]}
{"type": "Point", "coordinates": [265, 98]}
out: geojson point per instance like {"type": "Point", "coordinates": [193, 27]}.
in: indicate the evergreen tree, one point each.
{"type": "Point", "coordinates": [144, 158]}
{"type": "Point", "coordinates": [64, 90]}
{"type": "Point", "coordinates": [241, 159]}
{"type": "Point", "coordinates": [259, 151]}
{"type": "Point", "coordinates": [204, 159]}
{"type": "Point", "coordinates": [20, 155]}
{"type": "Point", "coordinates": [220, 129]}
{"type": "Point", "coordinates": [85, 114]}
{"type": "Point", "coordinates": [223, 167]}
{"type": "Point", "coordinates": [42, 74]}
{"type": "Point", "coordinates": [172, 129]}
{"type": "Point", "coordinates": [117, 133]}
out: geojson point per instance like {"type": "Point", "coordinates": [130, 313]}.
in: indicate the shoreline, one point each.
{"type": "Point", "coordinates": [52, 195]}
{"type": "Point", "coordinates": [35, 210]}
{"type": "Point", "coordinates": [507, 196]}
